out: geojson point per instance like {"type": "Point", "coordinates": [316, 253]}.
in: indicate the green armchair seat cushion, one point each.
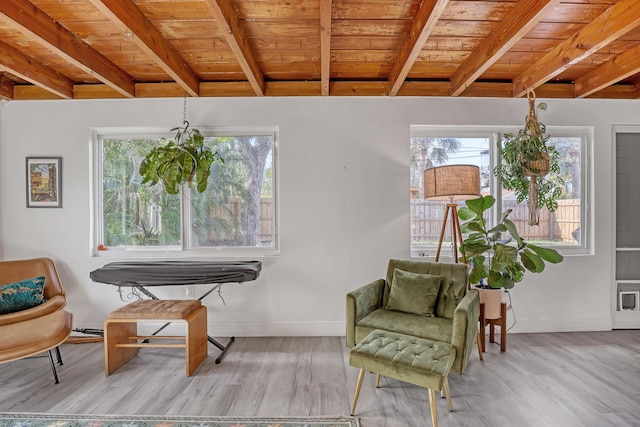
{"type": "Point", "coordinates": [456, 310]}
{"type": "Point", "coordinates": [436, 328]}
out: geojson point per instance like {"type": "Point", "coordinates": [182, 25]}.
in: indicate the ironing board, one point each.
{"type": "Point", "coordinates": [148, 274]}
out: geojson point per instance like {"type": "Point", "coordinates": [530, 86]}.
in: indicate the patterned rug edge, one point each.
{"type": "Point", "coordinates": [94, 420]}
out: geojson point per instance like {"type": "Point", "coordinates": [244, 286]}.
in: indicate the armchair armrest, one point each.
{"type": "Point", "coordinates": [360, 303]}
{"type": "Point", "coordinates": [465, 328]}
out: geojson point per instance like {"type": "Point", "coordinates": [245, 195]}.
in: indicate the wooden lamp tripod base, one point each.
{"type": "Point", "coordinates": [456, 234]}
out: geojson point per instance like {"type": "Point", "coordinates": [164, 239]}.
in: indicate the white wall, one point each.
{"type": "Point", "coordinates": [344, 211]}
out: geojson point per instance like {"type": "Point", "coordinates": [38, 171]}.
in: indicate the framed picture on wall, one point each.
{"type": "Point", "coordinates": [44, 182]}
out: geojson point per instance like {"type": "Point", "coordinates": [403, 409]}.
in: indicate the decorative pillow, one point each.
{"type": "Point", "coordinates": [414, 292]}
{"type": "Point", "coordinates": [21, 295]}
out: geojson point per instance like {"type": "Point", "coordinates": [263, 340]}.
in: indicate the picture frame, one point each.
{"type": "Point", "coordinates": [44, 182]}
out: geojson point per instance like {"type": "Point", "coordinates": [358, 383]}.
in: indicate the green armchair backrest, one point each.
{"type": "Point", "coordinates": [452, 290]}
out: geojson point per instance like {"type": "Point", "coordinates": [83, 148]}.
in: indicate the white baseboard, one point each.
{"type": "Point", "coordinates": [561, 325]}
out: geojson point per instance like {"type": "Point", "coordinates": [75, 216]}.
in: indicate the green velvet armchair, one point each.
{"type": "Point", "coordinates": [455, 320]}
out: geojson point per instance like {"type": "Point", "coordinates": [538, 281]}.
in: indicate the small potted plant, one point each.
{"type": "Point", "coordinates": [497, 259]}
{"type": "Point", "coordinates": [525, 162]}
{"type": "Point", "coordinates": [181, 160]}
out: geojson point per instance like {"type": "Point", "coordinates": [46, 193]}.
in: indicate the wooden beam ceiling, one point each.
{"type": "Point", "coordinates": [37, 25]}
{"type": "Point", "coordinates": [126, 15]}
{"type": "Point", "coordinates": [229, 23]}
{"type": "Point", "coordinates": [616, 21]}
{"type": "Point", "coordinates": [19, 64]}
{"type": "Point", "coordinates": [421, 28]}
{"type": "Point", "coordinates": [616, 69]}
{"type": "Point", "coordinates": [522, 18]}
{"type": "Point", "coordinates": [81, 49]}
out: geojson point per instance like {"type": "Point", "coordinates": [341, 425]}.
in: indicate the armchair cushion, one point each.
{"type": "Point", "coordinates": [413, 293]}
{"type": "Point", "coordinates": [22, 295]}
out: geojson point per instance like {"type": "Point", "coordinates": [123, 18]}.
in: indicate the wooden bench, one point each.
{"type": "Point", "coordinates": [418, 361]}
{"type": "Point", "coordinates": [121, 339]}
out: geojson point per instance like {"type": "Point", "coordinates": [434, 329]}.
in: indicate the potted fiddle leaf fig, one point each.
{"type": "Point", "coordinates": [525, 162]}
{"type": "Point", "coordinates": [181, 160]}
{"type": "Point", "coordinates": [498, 256]}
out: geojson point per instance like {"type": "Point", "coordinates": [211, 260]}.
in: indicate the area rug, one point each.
{"type": "Point", "coordinates": [85, 420]}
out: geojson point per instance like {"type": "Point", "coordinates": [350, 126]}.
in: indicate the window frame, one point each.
{"type": "Point", "coordinates": [494, 133]}
{"type": "Point", "coordinates": [184, 250]}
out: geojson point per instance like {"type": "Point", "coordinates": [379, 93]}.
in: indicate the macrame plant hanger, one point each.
{"type": "Point", "coordinates": [535, 168]}
{"type": "Point", "coordinates": [185, 122]}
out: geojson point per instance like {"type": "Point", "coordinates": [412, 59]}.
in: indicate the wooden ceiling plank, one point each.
{"type": "Point", "coordinates": [616, 21]}
{"type": "Point", "coordinates": [30, 20]}
{"type": "Point", "coordinates": [423, 24]}
{"type": "Point", "coordinates": [618, 68]}
{"type": "Point", "coordinates": [32, 92]}
{"type": "Point", "coordinates": [325, 45]}
{"type": "Point", "coordinates": [359, 88]}
{"type": "Point", "coordinates": [126, 15]}
{"type": "Point", "coordinates": [518, 22]}
{"type": "Point", "coordinates": [17, 63]}
{"type": "Point", "coordinates": [229, 24]}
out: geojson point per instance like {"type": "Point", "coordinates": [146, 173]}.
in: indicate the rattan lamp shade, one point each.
{"type": "Point", "coordinates": [452, 182]}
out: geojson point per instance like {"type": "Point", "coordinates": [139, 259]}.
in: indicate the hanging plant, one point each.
{"type": "Point", "coordinates": [182, 160]}
{"type": "Point", "coordinates": [525, 162]}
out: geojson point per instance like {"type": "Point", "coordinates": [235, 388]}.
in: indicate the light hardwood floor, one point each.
{"type": "Point", "coordinates": [562, 379]}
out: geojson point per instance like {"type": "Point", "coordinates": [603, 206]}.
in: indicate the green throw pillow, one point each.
{"type": "Point", "coordinates": [21, 295]}
{"type": "Point", "coordinates": [414, 292]}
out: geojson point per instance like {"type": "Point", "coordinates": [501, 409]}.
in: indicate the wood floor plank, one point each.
{"type": "Point", "coordinates": [565, 379]}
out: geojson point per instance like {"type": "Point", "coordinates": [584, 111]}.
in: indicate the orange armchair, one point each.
{"type": "Point", "coordinates": [38, 329]}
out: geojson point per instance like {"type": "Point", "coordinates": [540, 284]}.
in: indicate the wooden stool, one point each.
{"type": "Point", "coordinates": [121, 339]}
{"type": "Point", "coordinates": [501, 321]}
{"type": "Point", "coordinates": [406, 358]}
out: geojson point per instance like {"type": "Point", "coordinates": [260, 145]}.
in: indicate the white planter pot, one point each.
{"type": "Point", "coordinates": [492, 299]}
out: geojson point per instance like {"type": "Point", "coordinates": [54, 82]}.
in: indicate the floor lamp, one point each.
{"type": "Point", "coordinates": [452, 183]}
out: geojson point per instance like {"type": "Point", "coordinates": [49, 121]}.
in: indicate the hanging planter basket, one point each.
{"type": "Point", "coordinates": [526, 162]}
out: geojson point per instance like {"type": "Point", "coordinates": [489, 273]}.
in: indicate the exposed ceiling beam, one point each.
{"type": "Point", "coordinates": [126, 15]}
{"type": "Point", "coordinates": [522, 18]}
{"type": "Point", "coordinates": [6, 88]}
{"type": "Point", "coordinates": [229, 24]}
{"type": "Point", "coordinates": [33, 22]}
{"type": "Point", "coordinates": [325, 45]}
{"type": "Point", "coordinates": [423, 24]}
{"type": "Point", "coordinates": [616, 69]}
{"type": "Point", "coordinates": [616, 21]}
{"type": "Point", "coordinates": [15, 62]}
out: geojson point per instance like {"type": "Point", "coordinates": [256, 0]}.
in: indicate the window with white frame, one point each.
{"type": "Point", "coordinates": [565, 229]}
{"type": "Point", "coordinates": [236, 214]}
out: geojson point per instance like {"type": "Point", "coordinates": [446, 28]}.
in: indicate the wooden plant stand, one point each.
{"type": "Point", "coordinates": [501, 322]}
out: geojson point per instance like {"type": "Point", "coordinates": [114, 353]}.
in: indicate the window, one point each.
{"type": "Point", "coordinates": [236, 214]}
{"type": "Point", "coordinates": [565, 229]}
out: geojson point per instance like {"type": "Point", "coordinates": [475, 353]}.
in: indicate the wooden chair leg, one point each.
{"type": "Point", "coordinates": [447, 393]}
{"type": "Point", "coordinates": [357, 393]}
{"type": "Point", "coordinates": [479, 342]}
{"type": "Point", "coordinates": [432, 406]}
{"type": "Point", "coordinates": [377, 380]}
